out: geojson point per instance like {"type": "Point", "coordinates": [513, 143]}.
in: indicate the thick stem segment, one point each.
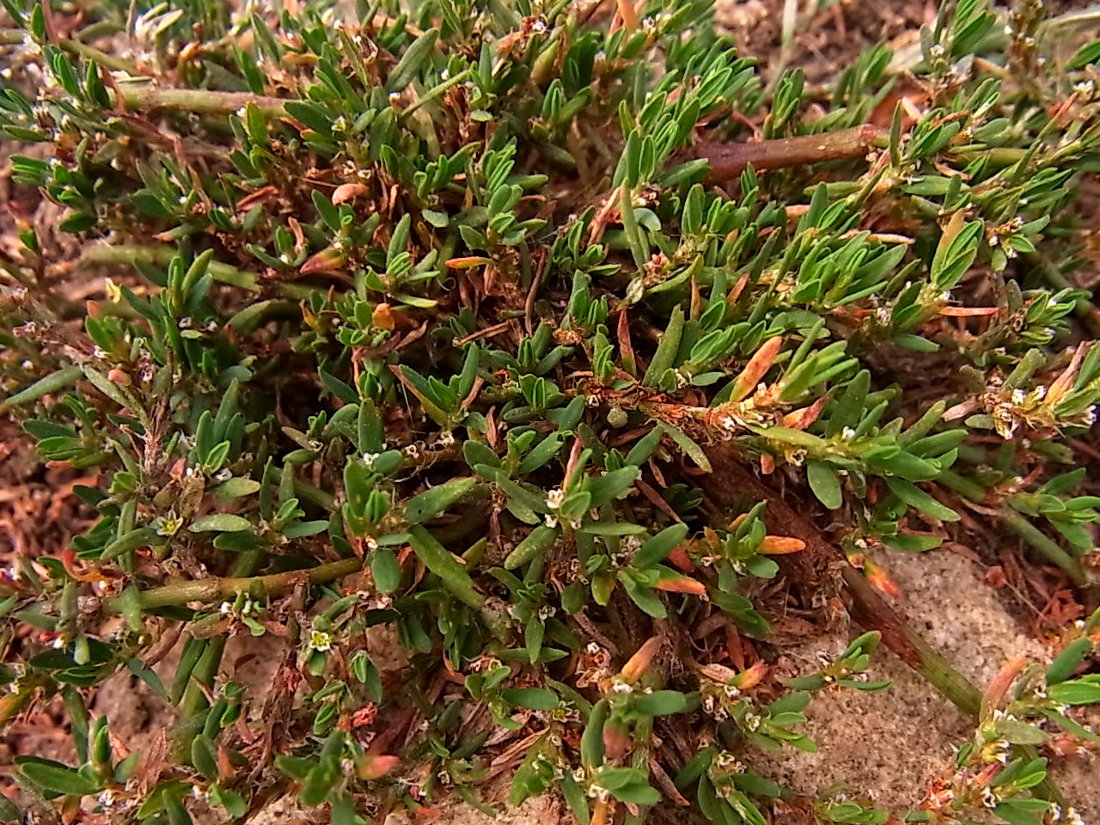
{"type": "Point", "coordinates": [871, 610]}
{"type": "Point", "coordinates": [132, 255]}
{"type": "Point", "coordinates": [221, 589]}
{"type": "Point", "coordinates": [728, 160]}
{"type": "Point", "coordinates": [198, 101]}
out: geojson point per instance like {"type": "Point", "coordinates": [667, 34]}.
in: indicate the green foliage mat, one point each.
{"type": "Point", "coordinates": [541, 335]}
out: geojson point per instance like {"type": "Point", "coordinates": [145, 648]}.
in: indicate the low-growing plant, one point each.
{"type": "Point", "coordinates": [492, 358]}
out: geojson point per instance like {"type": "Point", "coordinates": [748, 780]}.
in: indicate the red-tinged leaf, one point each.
{"type": "Point", "coordinates": [327, 260]}
{"type": "Point", "coordinates": [757, 367]}
{"type": "Point", "coordinates": [682, 584]}
{"type": "Point", "coordinates": [881, 580]}
{"type": "Point", "coordinates": [375, 767]}
{"type": "Point", "coordinates": [678, 558]}
{"type": "Point", "coordinates": [468, 262]}
{"type": "Point", "coordinates": [781, 545]}
{"type": "Point", "coordinates": [346, 192]}
{"type": "Point", "coordinates": [638, 663]}
{"type": "Point", "coordinates": [801, 419]}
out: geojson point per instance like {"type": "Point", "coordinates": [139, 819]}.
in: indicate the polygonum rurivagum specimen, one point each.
{"type": "Point", "coordinates": [532, 340]}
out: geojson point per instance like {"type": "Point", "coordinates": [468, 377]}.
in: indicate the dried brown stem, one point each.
{"type": "Point", "coordinates": [728, 160]}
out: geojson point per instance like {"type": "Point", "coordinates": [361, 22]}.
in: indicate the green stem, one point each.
{"type": "Point", "coordinates": [215, 589]}
{"type": "Point", "coordinates": [104, 28]}
{"type": "Point", "coordinates": [435, 92]}
{"type": "Point", "coordinates": [870, 610]}
{"type": "Point", "coordinates": [96, 56]}
{"type": "Point", "coordinates": [1040, 542]}
{"type": "Point", "coordinates": [964, 486]}
{"type": "Point", "coordinates": [198, 101]}
{"type": "Point", "coordinates": [1019, 525]}
{"type": "Point", "coordinates": [15, 37]}
{"type": "Point", "coordinates": [867, 607]}
{"type": "Point", "coordinates": [132, 255]}
{"type": "Point", "coordinates": [1000, 157]}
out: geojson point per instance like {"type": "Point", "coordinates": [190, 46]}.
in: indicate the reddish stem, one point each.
{"type": "Point", "coordinates": [728, 160]}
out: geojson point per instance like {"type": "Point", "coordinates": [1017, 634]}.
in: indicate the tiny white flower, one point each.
{"type": "Point", "coordinates": [554, 498]}
{"type": "Point", "coordinates": [168, 525]}
{"type": "Point", "coordinates": [320, 641]}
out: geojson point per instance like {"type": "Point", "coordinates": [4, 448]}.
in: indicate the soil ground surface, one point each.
{"type": "Point", "coordinates": [976, 605]}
